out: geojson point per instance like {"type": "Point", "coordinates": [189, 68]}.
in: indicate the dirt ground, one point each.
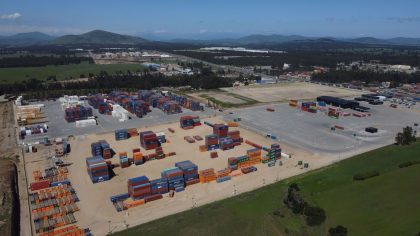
{"type": "Point", "coordinates": [223, 97]}
{"type": "Point", "coordinates": [7, 197]}
{"type": "Point", "coordinates": [9, 201]}
{"type": "Point", "coordinates": [287, 91]}
{"type": "Point", "coordinates": [98, 213]}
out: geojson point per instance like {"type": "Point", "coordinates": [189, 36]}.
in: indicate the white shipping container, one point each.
{"type": "Point", "coordinates": [159, 134]}
{"type": "Point", "coordinates": [284, 155]}
{"type": "Point", "coordinates": [84, 123]}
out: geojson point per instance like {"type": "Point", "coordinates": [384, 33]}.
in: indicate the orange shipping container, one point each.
{"type": "Point", "coordinates": [232, 124]}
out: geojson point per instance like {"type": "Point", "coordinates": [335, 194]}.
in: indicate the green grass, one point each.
{"type": "Point", "coordinates": [11, 75]}
{"type": "Point", "coordinates": [388, 204]}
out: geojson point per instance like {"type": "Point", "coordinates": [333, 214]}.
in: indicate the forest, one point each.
{"type": "Point", "coordinates": [38, 61]}
{"type": "Point", "coordinates": [34, 88]}
{"type": "Point", "coordinates": [339, 76]}
{"type": "Point", "coordinates": [305, 59]}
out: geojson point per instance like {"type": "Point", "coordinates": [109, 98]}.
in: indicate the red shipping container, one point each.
{"type": "Point", "coordinates": [191, 182]}
{"type": "Point", "coordinates": [153, 198]}
{"type": "Point", "coordinates": [40, 185]}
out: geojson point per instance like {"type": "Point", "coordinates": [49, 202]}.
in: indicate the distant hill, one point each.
{"type": "Point", "coordinates": [98, 37]}
{"type": "Point", "coordinates": [405, 41]}
{"type": "Point", "coordinates": [275, 39]}
{"type": "Point", "coordinates": [246, 40]}
{"type": "Point", "coordinates": [269, 39]}
{"type": "Point", "coordinates": [369, 40]}
{"type": "Point", "coordinates": [25, 39]}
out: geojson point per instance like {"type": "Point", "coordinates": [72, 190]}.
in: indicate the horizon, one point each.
{"type": "Point", "coordinates": [204, 20]}
{"type": "Point", "coordinates": [211, 37]}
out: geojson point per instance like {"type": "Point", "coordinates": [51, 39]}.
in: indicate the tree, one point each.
{"type": "Point", "coordinates": [337, 231]}
{"type": "Point", "coordinates": [293, 199]}
{"type": "Point", "coordinates": [406, 137]}
{"type": "Point", "coordinates": [314, 215]}
{"type": "Point", "coordinates": [399, 139]}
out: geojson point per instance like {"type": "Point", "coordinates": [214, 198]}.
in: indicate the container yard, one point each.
{"type": "Point", "coordinates": [52, 114]}
{"type": "Point", "coordinates": [123, 180]}
{"type": "Point", "coordinates": [53, 200]}
{"type": "Point", "coordinates": [149, 155]}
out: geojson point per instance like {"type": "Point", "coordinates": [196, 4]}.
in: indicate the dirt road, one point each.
{"type": "Point", "coordinates": [12, 178]}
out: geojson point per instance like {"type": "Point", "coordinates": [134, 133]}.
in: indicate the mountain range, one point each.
{"type": "Point", "coordinates": [26, 39]}
{"type": "Point", "coordinates": [100, 37]}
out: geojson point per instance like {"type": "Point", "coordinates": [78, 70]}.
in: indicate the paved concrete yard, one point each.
{"type": "Point", "coordinates": [313, 131]}
{"type": "Point", "coordinates": [58, 127]}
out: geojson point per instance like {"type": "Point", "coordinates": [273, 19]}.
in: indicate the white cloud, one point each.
{"type": "Point", "coordinates": [13, 16]}
{"type": "Point", "coordinates": [202, 31]}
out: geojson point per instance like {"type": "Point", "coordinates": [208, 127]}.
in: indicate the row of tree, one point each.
{"type": "Point", "coordinates": [314, 215]}
{"type": "Point", "coordinates": [34, 88]}
{"type": "Point", "coordinates": [305, 59]}
{"type": "Point", "coordinates": [343, 76]}
{"type": "Point", "coordinates": [37, 61]}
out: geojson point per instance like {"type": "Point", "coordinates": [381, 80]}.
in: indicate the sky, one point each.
{"type": "Point", "coordinates": [214, 18]}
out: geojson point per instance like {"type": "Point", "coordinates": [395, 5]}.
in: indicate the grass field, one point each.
{"type": "Point", "coordinates": [384, 205]}
{"type": "Point", "coordinates": [10, 75]}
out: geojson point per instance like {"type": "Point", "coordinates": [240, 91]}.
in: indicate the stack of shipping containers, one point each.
{"type": "Point", "coordinates": [99, 102]}
{"type": "Point", "coordinates": [171, 107]}
{"type": "Point", "coordinates": [175, 177]}
{"type": "Point", "coordinates": [236, 137]}
{"type": "Point", "coordinates": [138, 158]}
{"type": "Point", "coordinates": [97, 169]}
{"type": "Point", "coordinates": [207, 175]}
{"type": "Point", "coordinates": [223, 175]}
{"type": "Point", "coordinates": [124, 162]}
{"type": "Point", "coordinates": [186, 122]}
{"type": "Point", "coordinates": [148, 140]}
{"type": "Point", "coordinates": [273, 154]}
{"type": "Point", "coordinates": [73, 114]}
{"type": "Point", "coordinates": [190, 172]}
{"type": "Point", "coordinates": [159, 186]}
{"type": "Point", "coordinates": [226, 143]}
{"type": "Point", "coordinates": [211, 142]}
{"type": "Point", "coordinates": [101, 148]}
{"type": "Point", "coordinates": [221, 130]}
{"type": "Point", "coordinates": [121, 134]}
{"type": "Point", "coordinates": [139, 187]}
